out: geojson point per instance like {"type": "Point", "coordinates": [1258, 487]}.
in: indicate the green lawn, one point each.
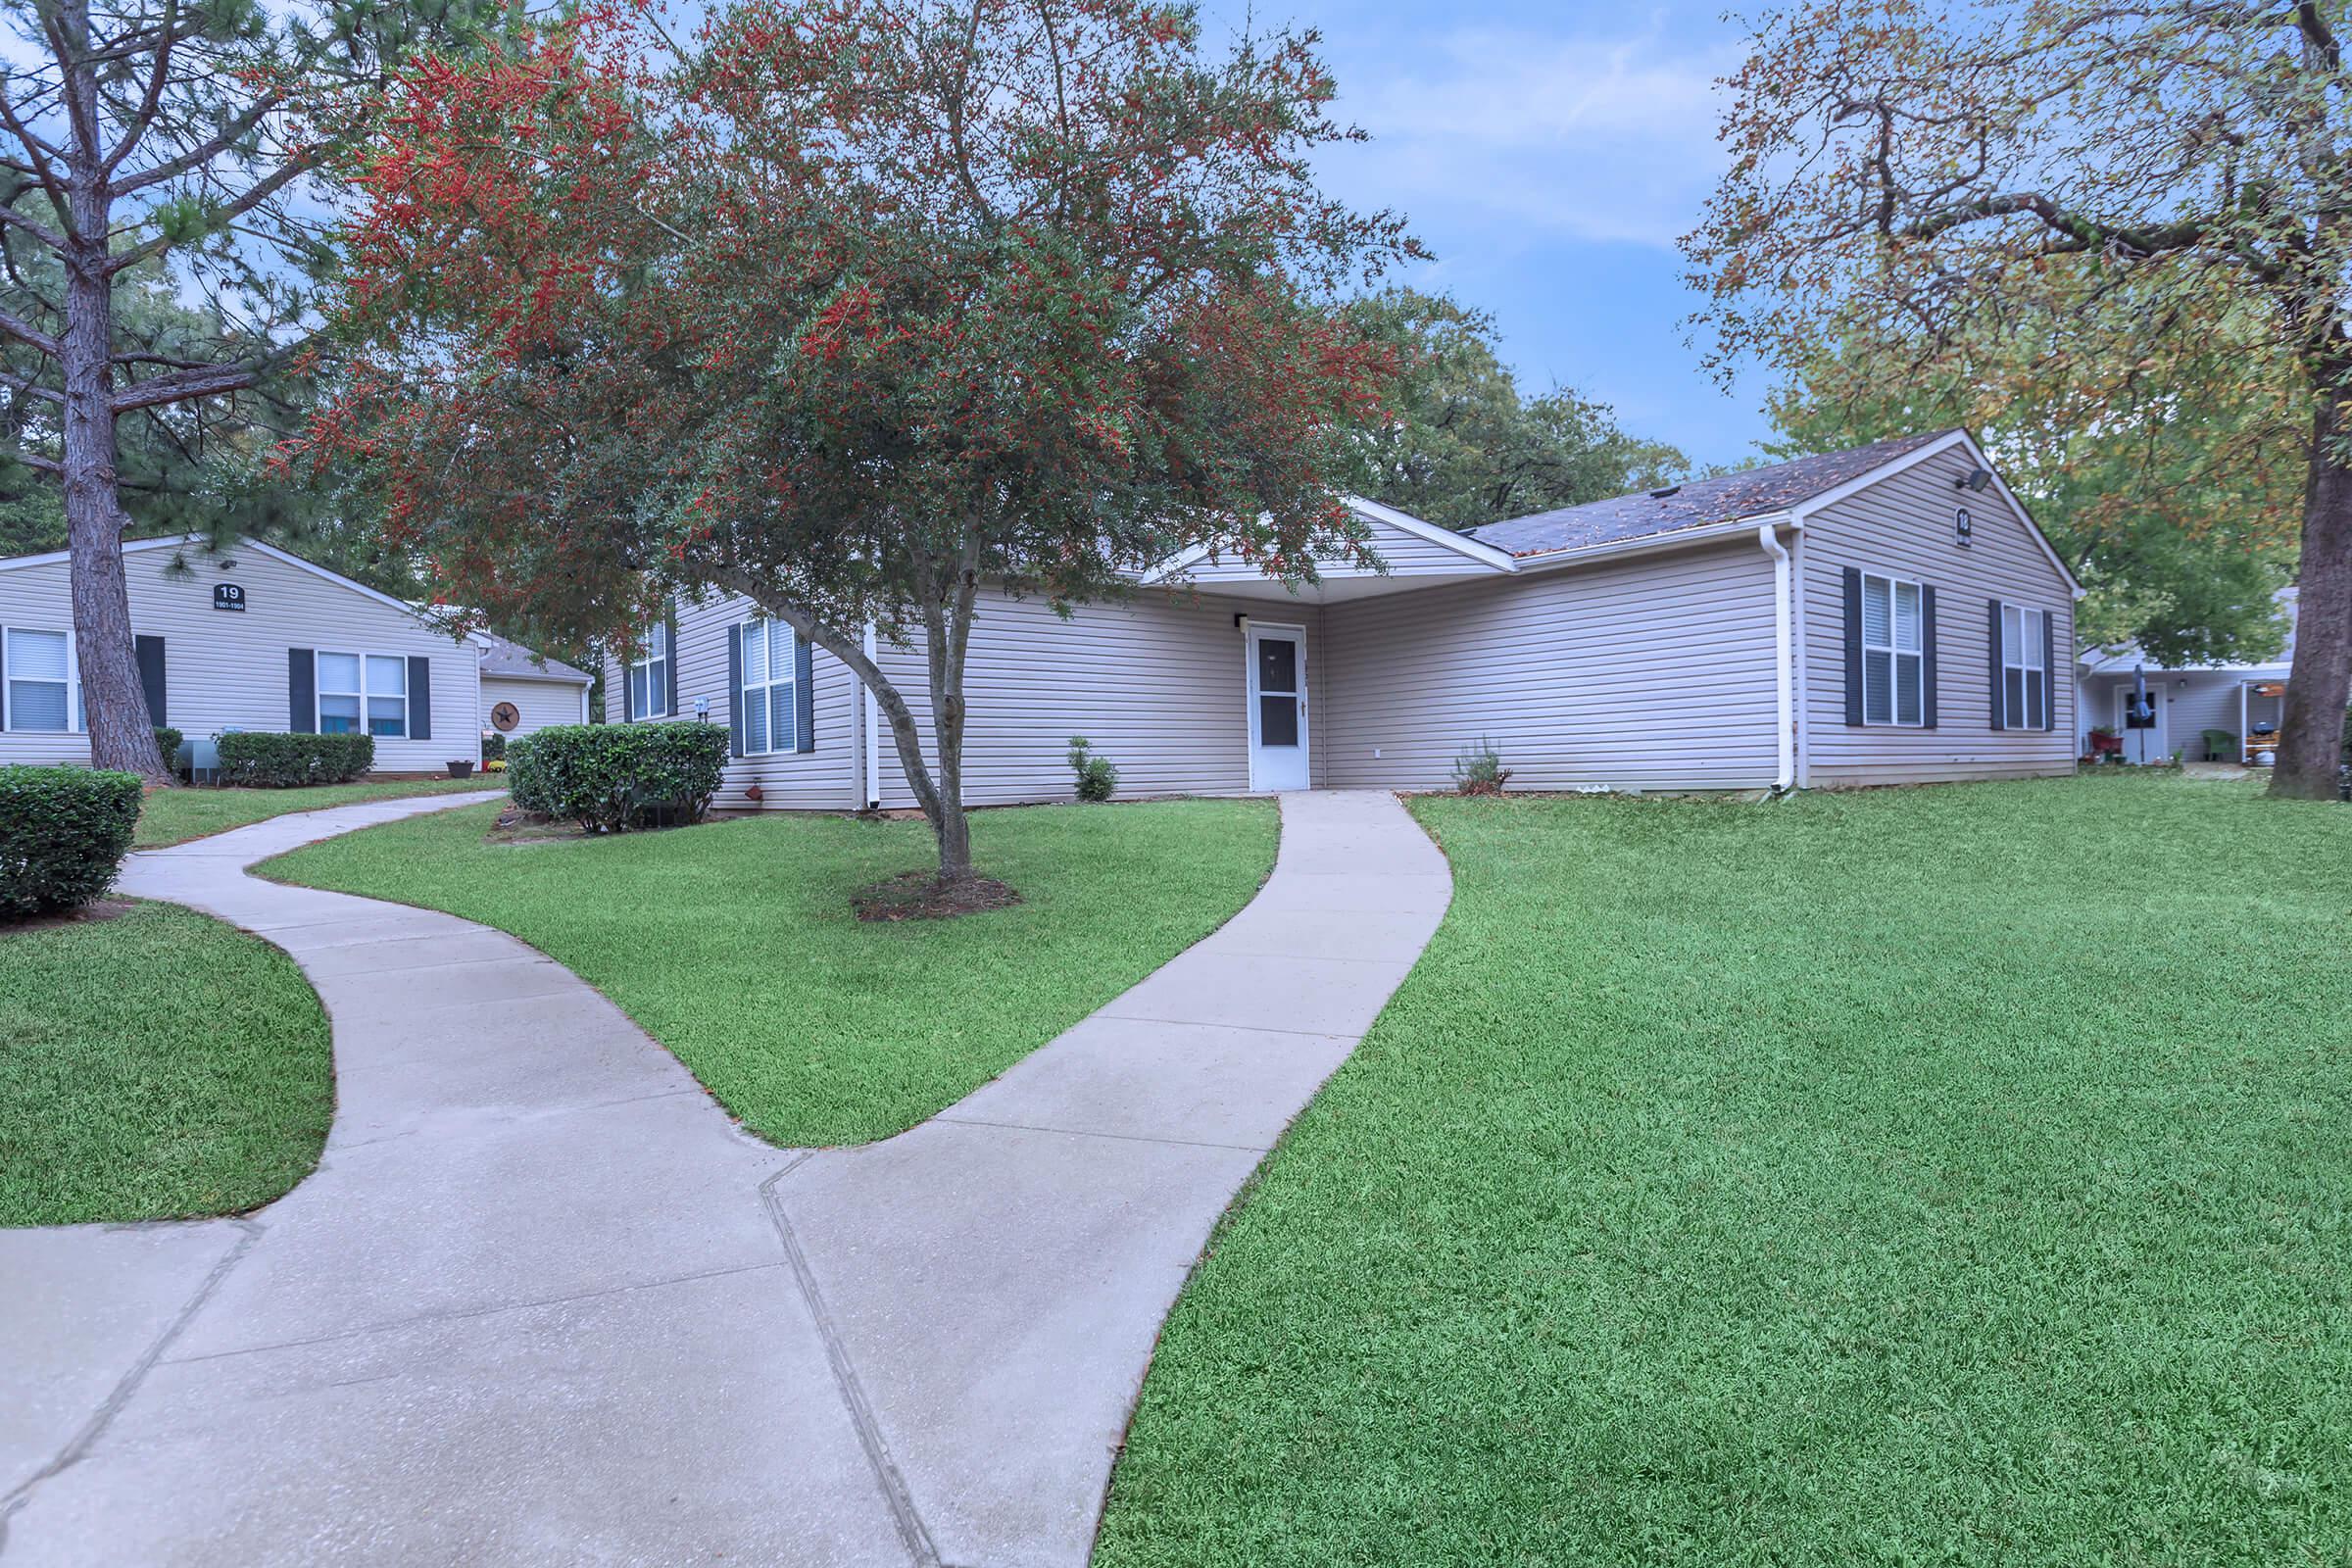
{"type": "Point", "coordinates": [175, 816]}
{"type": "Point", "coordinates": [733, 943]}
{"type": "Point", "coordinates": [154, 1066]}
{"type": "Point", "coordinates": [1954, 1176]}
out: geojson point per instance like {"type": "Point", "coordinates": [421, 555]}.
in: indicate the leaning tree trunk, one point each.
{"type": "Point", "coordinates": [948, 627]}
{"type": "Point", "coordinates": [2320, 685]}
{"type": "Point", "coordinates": [114, 701]}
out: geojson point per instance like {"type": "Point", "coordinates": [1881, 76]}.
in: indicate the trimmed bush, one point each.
{"type": "Point", "coordinates": [167, 741]}
{"type": "Point", "coordinates": [265, 761]}
{"type": "Point", "coordinates": [493, 746]}
{"type": "Point", "coordinates": [62, 833]}
{"type": "Point", "coordinates": [610, 779]}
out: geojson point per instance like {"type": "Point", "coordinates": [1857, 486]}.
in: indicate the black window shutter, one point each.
{"type": "Point", "coordinates": [804, 697]}
{"type": "Point", "coordinates": [2049, 671]}
{"type": "Point", "coordinates": [420, 698]}
{"type": "Point", "coordinates": [628, 688]}
{"type": "Point", "coordinates": [669, 665]}
{"type": "Point", "coordinates": [1853, 645]}
{"type": "Point", "coordinates": [1992, 622]}
{"type": "Point", "coordinates": [735, 690]}
{"type": "Point", "coordinates": [151, 677]}
{"type": "Point", "coordinates": [302, 691]}
{"type": "Point", "coordinates": [1926, 655]}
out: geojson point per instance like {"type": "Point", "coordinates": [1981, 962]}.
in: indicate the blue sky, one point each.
{"type": "Point", "coordinates": [1550, 154]}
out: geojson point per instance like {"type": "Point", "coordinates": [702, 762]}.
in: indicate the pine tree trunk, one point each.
{"type": "Point", "coordinates": [114, 701]}
{"type": "Point", "coordinates": [2311, 738]}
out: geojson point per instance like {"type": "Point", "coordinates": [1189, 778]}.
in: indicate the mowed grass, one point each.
{"type": "Point", "coordinates": [190, 812]}
{"type": "Point", "coordinates": [734, 944]}
{"type": "Point", "coordinates": [154, 1066]}
{"type": "Point", "coordinates": [1958, 1175]}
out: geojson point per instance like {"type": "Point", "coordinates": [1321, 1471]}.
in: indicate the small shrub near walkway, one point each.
{"type": "Point", "coordinates": [1951, 1176]}
{"type": "Point", "coordinates": [610, 779]}
{"type": "Point", "coordinates": [62, 833]}
{"type": "Point", "coordinates": [157, 1065]}
{"type": "Point", "coordinates": [258, 760]}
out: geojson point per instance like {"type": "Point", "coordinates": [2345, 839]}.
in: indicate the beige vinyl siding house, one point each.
{"type": "Point", "coordinates": [537, 703]}
{"type": "Point", "coordinates": [1904, 527]}
{"type": "Point", "coordinates": [2239, 705]}
{"type": "Point", "coordinates": [522, 692]}
{"type": "Point", "coordinates": [1648, 673]}
{"type": "Point", "coordinates": [256, 639]}
{"type": "Point", "coordinates": [1699, 637]}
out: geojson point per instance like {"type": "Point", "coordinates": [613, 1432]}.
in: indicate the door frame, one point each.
{"type": "Point", "coordinates": [1294, 633]}
{"type": "Point", "coordinates": [2163, 703]}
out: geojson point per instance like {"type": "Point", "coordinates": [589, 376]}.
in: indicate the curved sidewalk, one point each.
{"type": "Point", "coordinates": [543, 1303]}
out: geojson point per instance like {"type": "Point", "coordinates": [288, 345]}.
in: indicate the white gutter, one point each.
{"type": "Point", "coordinates": [1650, 543]}
{"type": "Point", "coordinates": [1784, 643]}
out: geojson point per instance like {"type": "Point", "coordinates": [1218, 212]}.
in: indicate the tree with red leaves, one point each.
{"type": "Point", "coordinates": [854, 307]}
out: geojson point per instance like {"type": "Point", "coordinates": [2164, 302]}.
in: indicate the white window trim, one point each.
{"type": "Point", "coordinates": [319, 694]}
{"type": "Point", "coordinates": [76, 722]}
{"type": "Point", "coordinates": [667, 658]}
{"type": "Point", "coordinates": [2032, 642]}
{"type": "Point", "coordinates": [1895, 654]}
{"type": "Point", "coordinates": [789, 744]}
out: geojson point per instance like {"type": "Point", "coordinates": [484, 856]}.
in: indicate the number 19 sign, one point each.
{"type": "Point", "coordinates": [229, 595]}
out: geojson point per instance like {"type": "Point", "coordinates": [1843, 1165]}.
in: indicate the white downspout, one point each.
{"type": "Point", "coordinates": [1784, 656]}
{"type": "Point", "coordinates": [873, 731]}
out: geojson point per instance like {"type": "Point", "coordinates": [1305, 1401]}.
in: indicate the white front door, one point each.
{"type": "Point", "coordinates": [1277, 708]}
{"type": "Point", "coordinates": [2143, 746]}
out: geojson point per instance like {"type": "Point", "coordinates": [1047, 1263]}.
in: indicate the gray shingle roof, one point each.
{"type": "Point", "coordinates": [1696, 503]}
{"type": "Point", "coordinates": [503, 658]}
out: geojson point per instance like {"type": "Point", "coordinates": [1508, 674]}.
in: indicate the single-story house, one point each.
{"type": "Point", "coordinates": [2198, 713]}
{"type": "Point", "coordinates": [523, 691]}
{"type": "Point", "coordinates": [1886, 615]}
{"type": "Point", "coordinates": [255, 638]}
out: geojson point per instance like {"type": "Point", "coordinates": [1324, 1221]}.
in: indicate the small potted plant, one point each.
{"type": "Point", "coordinates": [459, 769]}
{"type": "Point", "coordinates": [2105, 743]}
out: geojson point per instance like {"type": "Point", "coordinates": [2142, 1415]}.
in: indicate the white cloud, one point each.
{"type": "Point", "coordinates": [1588, 138]}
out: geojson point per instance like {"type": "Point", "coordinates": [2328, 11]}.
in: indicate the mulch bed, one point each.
{"type": "Point", "coordinates": [91, 913]}
{"type": "Point", "coordinates": [523, 827]}
{"type": "Point", "coordinates": [922, 896]}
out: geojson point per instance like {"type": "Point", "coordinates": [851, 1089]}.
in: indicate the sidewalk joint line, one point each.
{"type": "Point", "coordinates": [128, 1383]}
{"type": "Point", "coordinates": [1084, 1132]}
{"type": "Point", "coordinates": [912, 1533]}
{"type": "Point", "coordinates": [465, 1314]}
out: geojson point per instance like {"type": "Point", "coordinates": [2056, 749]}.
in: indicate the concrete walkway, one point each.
{"type": "Point", "coordinates": [543, 1303]}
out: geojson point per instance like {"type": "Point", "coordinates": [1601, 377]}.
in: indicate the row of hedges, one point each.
{"type": "Point", "coordinates": [62, 833]}
{"type": "Point", "coordinates": [286, 761]}
{"type": "Point", "coordinates": [610, 779]}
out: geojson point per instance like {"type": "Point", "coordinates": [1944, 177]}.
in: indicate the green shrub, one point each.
{"type": "Point", "coordinates": [1098, 778]}
{"type": "Point", "coordinates": [1478, 770]}
{"type": "Point", "coordinates": [493, 746]}
{"type": "Point", "coordinates": [260, 759]}
{"type": "Point", "coordinates": [612, 778]}
{"type": "Point", "coordinates": [167, 741]}
{"type": "Point", "coordinates": [62, 832]}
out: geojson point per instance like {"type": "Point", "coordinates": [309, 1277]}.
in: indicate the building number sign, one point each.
{"type": "Point", "coordinates": [229, 595]}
